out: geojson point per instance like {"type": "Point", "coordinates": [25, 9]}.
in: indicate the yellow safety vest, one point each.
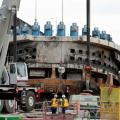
{"type": "Point", "coordinates": [61, 103]}
{"type": "Point", "coordinates": [54, 102]}
{"type": "Point", "coordinates": [64, 103]}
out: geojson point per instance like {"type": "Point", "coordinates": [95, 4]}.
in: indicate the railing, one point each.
{"type": "Point", "coordinates": [68, 38]}
{"type": "Point", "coordinates": [43, 111]}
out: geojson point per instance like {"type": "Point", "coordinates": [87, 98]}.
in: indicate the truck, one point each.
{"type": "Point", "coordinates": [13, 76]}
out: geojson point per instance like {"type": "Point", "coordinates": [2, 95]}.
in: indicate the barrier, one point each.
{"type": "Point", "coordinates": [43, 112]}
{"type": "Point", "coordinates": [110, 103]}
{"type": "Point", "coordinates": [73, 112]}
{"type": "Point", "coordinates": [10, 117]}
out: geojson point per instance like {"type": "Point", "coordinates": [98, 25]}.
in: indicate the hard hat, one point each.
{"type": "Point", "coordinates": [55, 95]}
{"type": "Point", "coordinates": [63, 96]}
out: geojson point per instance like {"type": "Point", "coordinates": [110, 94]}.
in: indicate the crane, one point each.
{"type": "Point", "coordinates": [6, 12]}
{"type": "Point", "coordinates": [13, 78]}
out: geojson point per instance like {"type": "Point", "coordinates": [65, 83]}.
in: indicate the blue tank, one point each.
{"type": "Point", "coordinates": [103, 35]}
{"type": "Point", "coordinates": [61, 29]}
{"type": "Point", "coordinates": [48, 29]}
{"type": "Point", "coordinates": [96, 32]}
{"type": "Point", "coordinates": [84, 30]}
{"type": "Point", "coordinates": [74, 29]}
{"type": "Point", "coordinates": [109, 38]}
{"type": "Point", "coordinates": [36, 29]}
{"type": "Point", "coordinates": [24, 29]}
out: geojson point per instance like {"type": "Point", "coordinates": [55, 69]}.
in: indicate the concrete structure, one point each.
{"type": "Point", "coordinates": [41, 53]}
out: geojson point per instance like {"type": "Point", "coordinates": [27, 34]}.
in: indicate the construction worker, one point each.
{"type": "Point", "coordinates": [54, 104]}
{"type": "Point", "coordinates": [64, 103]}
{"type": "Point", "coordinates": [67, 92]}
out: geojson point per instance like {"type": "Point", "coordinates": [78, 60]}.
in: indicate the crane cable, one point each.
{"type": "Point", "coordinates": [35, 9]}
{"type": "Point", "coordinates": [61, 53]}
{"type": "Point", "coordinates": [62, 9]}
{"type": "Point", "coordinates": [62, 37]}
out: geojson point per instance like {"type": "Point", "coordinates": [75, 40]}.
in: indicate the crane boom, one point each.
{"type": "Point", "coordinates": [6, 19]}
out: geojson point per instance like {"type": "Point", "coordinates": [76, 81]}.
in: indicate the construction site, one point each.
{"type": "Point", "coordinates": [37, 66]}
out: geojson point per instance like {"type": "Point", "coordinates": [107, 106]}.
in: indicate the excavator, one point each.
{"type": "Point", "coordinates": [13, 76]}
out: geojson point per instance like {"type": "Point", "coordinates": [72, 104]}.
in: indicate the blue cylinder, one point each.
{"type": "Point", "coordinates": [84, 30]}
{"type": "Point", "coordinates": [96, 32]}
{"type": "Point", "coordinates": [74, 29]}
{"type": "Point", "coordinates": [103, 35]}
{"type": "Point", "coordinates": [48, 29]}
{"type": "Point", "coordinates": [24, 29]}
{"type": "Point", "coordinates": [61, 29]}
{"type": "Point", "coordinates": [109, 38]}
{"type": "Point", "coordinates": [36, 29]}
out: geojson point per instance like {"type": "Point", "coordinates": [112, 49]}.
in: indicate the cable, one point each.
{"type": "Point", "coordinates": [62, 10]}
{"type": "Point", "coordinates": [35, 9]}
{"type": "Point", "coordinates": [61, 53]}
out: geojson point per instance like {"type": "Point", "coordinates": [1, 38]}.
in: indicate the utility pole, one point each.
{"type": "Point", "coordinates": [88, 32]}
{"type": "Point", "coordinates": [14, 34]}
{"type": "Point", "coordinates": [88, 67]}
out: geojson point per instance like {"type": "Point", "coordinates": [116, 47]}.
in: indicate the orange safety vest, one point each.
{"type": "Point", "coordinates": [54, 102]}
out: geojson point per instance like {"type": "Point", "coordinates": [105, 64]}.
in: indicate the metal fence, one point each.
{"type": "Point", "coordinates": [43, 112]}
{"type": "Point", "coordinates": [106, 111]}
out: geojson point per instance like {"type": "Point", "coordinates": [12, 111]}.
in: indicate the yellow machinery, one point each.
{"type": "Point", "coordinates": [110, 103]}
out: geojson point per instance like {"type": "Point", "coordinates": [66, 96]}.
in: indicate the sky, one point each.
{"type": "Point", "coordinates": [105, 14]}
